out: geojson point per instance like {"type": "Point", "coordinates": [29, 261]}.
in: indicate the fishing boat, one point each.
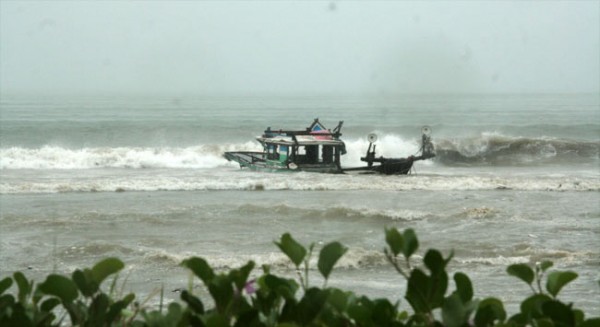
{"type": "Point", "coordinates": [315, 149]}
{"type": "Point", "coordinates": [318, 149]}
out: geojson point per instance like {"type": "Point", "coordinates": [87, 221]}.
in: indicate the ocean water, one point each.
{"type": "Point", "coordinates": [516, 180]}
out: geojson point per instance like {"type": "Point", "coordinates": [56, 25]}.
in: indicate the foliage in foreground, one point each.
{"type": "Point", "coordinates": [270, 300]}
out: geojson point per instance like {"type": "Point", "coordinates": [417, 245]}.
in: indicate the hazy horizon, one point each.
{"type": "Point", "coordinates": [330, 48]}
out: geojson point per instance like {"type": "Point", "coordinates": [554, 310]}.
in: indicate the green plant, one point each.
{"type": "Point", "coordinates": [80, 297]}
{"type": "Point", "coordinates": [543, 307]}
{"type": "Point", "coordinates": [238, 299]}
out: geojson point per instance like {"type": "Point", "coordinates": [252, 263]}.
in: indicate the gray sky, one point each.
{"type": "Point", "coordinates": [299, 48]}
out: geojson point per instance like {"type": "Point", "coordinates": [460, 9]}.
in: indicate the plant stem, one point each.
{"type": "Point", "coordinates": [394, 261]}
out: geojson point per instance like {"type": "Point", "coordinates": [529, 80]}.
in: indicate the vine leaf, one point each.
{"type": "Point", "coordinates": [558, 279]}
{"type": "Point", "coordinates": [329, 256]}
{"type": "Point", "coordinates": [521, 271]}
{"type": "Point", "coordinates": [294, 250]}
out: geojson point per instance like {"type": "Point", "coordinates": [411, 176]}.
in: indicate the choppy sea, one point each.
{"type": "Point", "coordinates": [516, 180]}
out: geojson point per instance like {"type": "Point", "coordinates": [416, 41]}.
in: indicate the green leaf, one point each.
{"type": "Point", "coordinates": [454, 312]}
{"type": "Point", "coordinates": [434, 261]}
{"type": "Point", "coordinates": [116, 309]}
{"type": "Point", "coordinates": [49, 304]}
{"type": "Point", "coordinates": [77, 311]}
{"type": "Point", "coordinates": [98, 308]}
{"type": "Point", "coordinates": [464, 288]}
{"type": "Point", "coordinates": [361, 312]}
{"type": "Point", "coordinates": [200, 268]}
{"type": "Point", "coordinates": [544, 265]}
{"type": "Point", "coordinates": [106, 268]}
{"type": "Point", "coordinates": [519, 319]}
{"type": "Point", "coordinates": [216, 320]}
{"type": "Point", "coordinates": [285, 288]}
{"type": "Point", "coordinates": [310, 305]}
{"type": "Point", "coordinates": [579, 316]}
{"type": "Point", "coordinates": [174, 312]}
{"type": "Point", "coordinates": [82, 279]}
{"type": "Point", "coordinates": [426, 293]}
{"type": "Point", "coordinates": [411, 243]}
{"type": "Point", "coordinates": [394, 240]}
{"type": "Point", "coordinates": [328, 257]}
{"type": "Point", "coordinates": [489, 311]}
{"type": "Point", "coordinates": [384, 312]}
{"type": "Point", "coordinates": [543, 322]}
{"type": "Point", "coordinates": [338, 299]}
{"type": "Point", "coordinates": [294, 250]}
{"type": "Point", "coordinates": [559, 312]}
{"type": "Point", "coordinates": [240, 276]}
{"type": "Point", "coordinates": [18, 317]}
{"type": "Point", "coordinates": [193, 302]}
{"type": "Point", "coordinates": [23, 285]}
{"type": "Point", "coordinates": [61, 287]}
{"type": "Point", "coordinates": [418, 291]}
{"type": "Point", "coordinates": [558, 279]}
{"type": "Point", "coordinates": [521, 271]}
{"type": "Point", "coordinates": [221, 290]}
{"type": "Point", "coordinates": [592, 322]}
{"type": "Point", "coordinates": [5, 284]}
{"type": "Point", "coordinates": [6, 300]}
{"type": "Point", "coordinates": [532, 306]}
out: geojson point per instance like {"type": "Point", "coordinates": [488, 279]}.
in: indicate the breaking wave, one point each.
{"type": "Point", "coordinates": [494, 149]}
{"type": "Point", "coordinates": [52, 169]}
{"type": "Point", "coordinates": [356, 257]}
{"type": "Point", "coordinates": [52, 157]}
{"type": "Point", "coordinates": [204, 156]}
{"type": "Point", "coordinates": [487, 149]}
{"type": "Point", "coordinates": [335, 212]}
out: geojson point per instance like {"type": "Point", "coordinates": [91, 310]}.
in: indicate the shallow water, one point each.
{"type": "Point", "coordinates": [516, 180]}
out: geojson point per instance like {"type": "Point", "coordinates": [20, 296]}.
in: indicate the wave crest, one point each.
{"type": "Point", "coordinates": [252, 181]}
{"type": "Point", "coordinates": [487, 149]}
{"type": "Point", "coordinates": [52, 157]}
{"type": "Point", "coordinates": [494, 149]}
{"type": "Point", "coordinates": [335, 212]}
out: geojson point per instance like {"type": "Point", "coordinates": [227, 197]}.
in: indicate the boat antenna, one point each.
{"type": "Point", "coordinates": [338, 128]}
{"type": "Point", "coordinates": [426, 149]}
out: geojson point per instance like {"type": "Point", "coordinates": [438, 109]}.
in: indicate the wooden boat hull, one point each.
{"type": "Point", "coordinates": [395, 167]}
{"type": "Point", "coordinates": [257, 161]}
{"type": "Point", "coordinates": [389, 167]}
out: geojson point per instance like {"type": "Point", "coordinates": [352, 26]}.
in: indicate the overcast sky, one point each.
{"type": "Point", "coordinates": [299, 48]}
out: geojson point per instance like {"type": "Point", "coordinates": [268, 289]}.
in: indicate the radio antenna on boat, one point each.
{"type": "Point", "coordinates": [372, 138]}
{"type": "Point", "coordinates": [426, 150]}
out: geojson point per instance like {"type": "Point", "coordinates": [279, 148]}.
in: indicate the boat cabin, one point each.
{"type": "Point", "coordinates": [314, 149]}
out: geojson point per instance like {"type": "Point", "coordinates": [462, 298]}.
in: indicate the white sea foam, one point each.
{"type": "Point", "coordinates": [353, 258]}
{"type": "Point", "coordinates": [487, 149]}
{"type": "Point", "coordinates": [202, 167]}
{"type": "Point", "coordinates": [52, 157]}
{"type": "Point", "coordinates": [495, 261]}
{"type": "Point", "coordinates": [200, 156]}
{"type": "Point", "coordinates": [236, 180]}
{"type": "Point", "coordinates": [388, 145]}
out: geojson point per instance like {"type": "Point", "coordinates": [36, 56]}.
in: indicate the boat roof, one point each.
{"type": "Point", "coordinates": [298, 140]}
{"type": "Point", "coordinates": [316, 134]}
